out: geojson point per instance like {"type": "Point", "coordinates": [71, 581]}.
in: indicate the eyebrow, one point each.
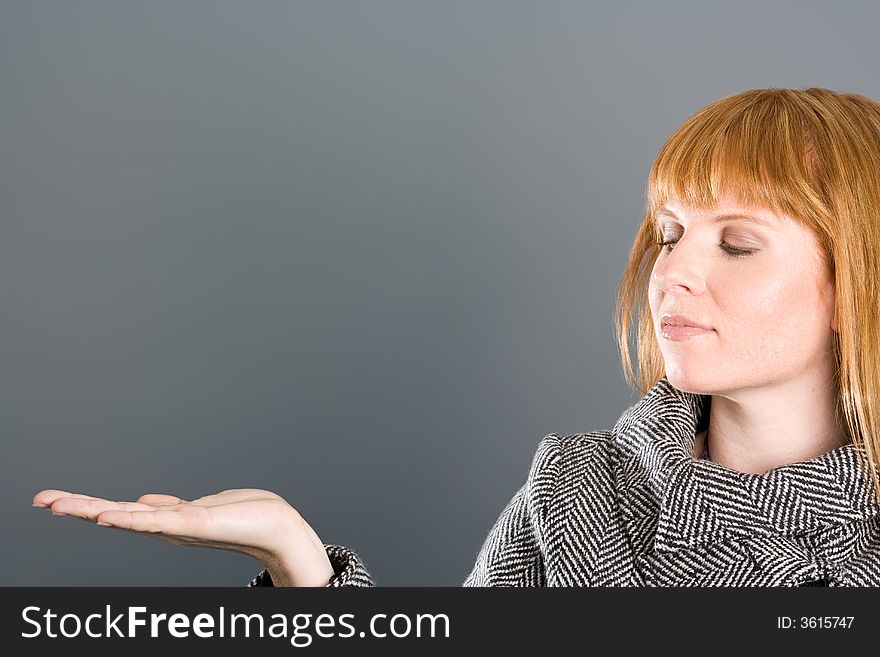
{"type": "Point", "coordinates": [725, 217]}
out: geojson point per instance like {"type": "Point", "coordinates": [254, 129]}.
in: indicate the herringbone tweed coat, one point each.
{"type": "Point", "coordinates": [632, 507]}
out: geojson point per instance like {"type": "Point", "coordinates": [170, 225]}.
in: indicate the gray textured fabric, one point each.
{"type": "Point", "coordinates": [632, 507]}
{"type": "Point", "coordinates": [348, 568]}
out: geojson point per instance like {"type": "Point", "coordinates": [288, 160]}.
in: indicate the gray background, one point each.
{"type": "Point", "coordinates": [363, 254]}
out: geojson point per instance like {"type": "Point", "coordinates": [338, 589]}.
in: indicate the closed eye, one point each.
{"type": "Point", "coordinates": [731, 251]}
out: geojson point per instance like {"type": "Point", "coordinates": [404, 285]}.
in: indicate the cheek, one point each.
{"type": "Point", "coordinates": [772, 313]}
{"type": "Point", "coordinates": [655, 295]}
{"type": "Point", "coordinates": [771, 299]}
{"type": "Point", "coordinates": [653, 299]}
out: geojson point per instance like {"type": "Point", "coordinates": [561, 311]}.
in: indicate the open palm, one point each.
{"type": "Point", "coordinates": [255, 522]}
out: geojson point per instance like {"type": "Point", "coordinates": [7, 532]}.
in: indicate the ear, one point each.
{"type": "Point", "coordinates": [834, 326]}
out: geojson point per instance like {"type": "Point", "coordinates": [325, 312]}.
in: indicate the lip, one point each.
{"type": "Point", "coordinates": [678, 327]}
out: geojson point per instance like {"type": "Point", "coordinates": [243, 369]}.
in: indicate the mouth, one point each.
{"type": "Point", "coordinates": [677, 327]}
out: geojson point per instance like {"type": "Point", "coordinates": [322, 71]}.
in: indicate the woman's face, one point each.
{"type": "Point", "coordinates": [760, 289]}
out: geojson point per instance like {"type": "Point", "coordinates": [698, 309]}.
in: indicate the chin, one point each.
{"type": "Point", "coordinates": [700, 383]}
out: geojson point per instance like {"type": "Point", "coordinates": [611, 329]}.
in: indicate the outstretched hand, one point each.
{"type": "Point", "coordinates": [255, 522]}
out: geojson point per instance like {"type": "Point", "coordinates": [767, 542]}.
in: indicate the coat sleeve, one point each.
{"type": "Point", "coordinates": [348, 567]}
{"type": "Point", "coordinates": [514, 551]}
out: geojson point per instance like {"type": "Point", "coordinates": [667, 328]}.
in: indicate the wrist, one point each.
{"type": "Point", "coordinates": [283, 575]}
{"type": "Point", "coordinates": [300, 558]}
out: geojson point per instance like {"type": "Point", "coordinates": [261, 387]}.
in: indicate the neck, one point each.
{"type": "Point", "coordinates": [754, 430]}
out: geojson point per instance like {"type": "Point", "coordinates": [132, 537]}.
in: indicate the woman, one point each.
{"type": "Point", "coordinates": [752, 457]}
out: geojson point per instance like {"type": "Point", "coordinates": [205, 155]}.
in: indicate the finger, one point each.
{"type": "Point", "coordinates": [157, 498]}
{"type": "Point", "coordinates": [46, 498]}
{"type": "Point", "coordinates": [156, 521]}
{"type": "Point", "coordinates": [90, 509]}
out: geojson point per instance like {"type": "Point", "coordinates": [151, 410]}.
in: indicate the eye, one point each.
{"type": "Point", "coordinates": [666, 245]}
{"type": "Point", "coordinates": [735, 252]}
{"type": "Point", "coordinates": [730, 251]}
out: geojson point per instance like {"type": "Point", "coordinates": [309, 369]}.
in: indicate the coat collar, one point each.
{"type": "Point", "coordinates": [700, 502]}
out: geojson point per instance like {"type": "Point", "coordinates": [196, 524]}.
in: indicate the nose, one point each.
{"type": "Point", "coordinates": [681, 271]}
